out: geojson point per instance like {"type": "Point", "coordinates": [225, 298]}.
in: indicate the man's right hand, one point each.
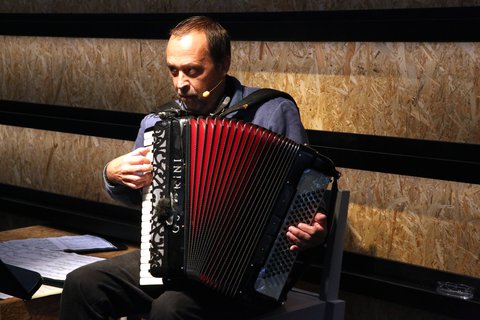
{"type": "Point", "coordinates": [133, 169]}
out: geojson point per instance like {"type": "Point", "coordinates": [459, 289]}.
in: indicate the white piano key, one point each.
{"type": "Point", "coordinates": [144, 260]}
{"type": "Point", "coordinates": [150, 281]}
{"type": "Point", "coordinates": [146, 216]}
{"type": "Point", "coordinates": [145, 274]}
{"type": "Point", "coordinates": [145, 265]}
{"type": "Point", "coordinates": [145, 226]}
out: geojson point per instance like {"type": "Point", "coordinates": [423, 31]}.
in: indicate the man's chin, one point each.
{"type": "Point", "coordinates": [193, 105]}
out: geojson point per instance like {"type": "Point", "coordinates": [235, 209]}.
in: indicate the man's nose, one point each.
{"type": "Point", "coordinates": [182, 82]}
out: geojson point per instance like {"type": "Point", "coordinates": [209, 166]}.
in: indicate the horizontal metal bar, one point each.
{"type": "Point", "coordinates": [427, 24]}
{"type": "Point", "coordinates": [85, 121]}
{"type": "Point", "coordinates": [404, 156]}
{"type": "Point", "coordinates": [79, 214]}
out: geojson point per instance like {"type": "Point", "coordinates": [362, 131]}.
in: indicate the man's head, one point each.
{"type": "Point", "coordinates": [198, 57]}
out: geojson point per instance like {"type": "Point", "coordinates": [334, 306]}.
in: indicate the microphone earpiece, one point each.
{"type": "Point", "coordinates": [206, 93]}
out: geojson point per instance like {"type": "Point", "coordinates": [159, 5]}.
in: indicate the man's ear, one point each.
{"type": "Point", "coordinates": [226, 65]}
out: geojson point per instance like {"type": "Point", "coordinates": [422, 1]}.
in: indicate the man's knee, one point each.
{"type": "Point", "coordinates": [175, 305]}
{"type": "Point", "coordinates": [80, 295]}
{"type": "Point", "coordinates": [84, 279]}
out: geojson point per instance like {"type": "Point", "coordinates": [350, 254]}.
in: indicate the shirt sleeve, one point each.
{"type": "Point", "coordinates": [282, 116]}
{"type": "Point", "coordinates": [128, 196]}
{"type": "Point", "coordinates": [121, 193]}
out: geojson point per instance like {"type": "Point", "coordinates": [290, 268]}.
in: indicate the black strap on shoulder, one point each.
{"type": "Point", "coordinates": [256, 97]}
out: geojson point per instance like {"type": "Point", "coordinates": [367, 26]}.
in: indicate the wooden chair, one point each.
{"type": "Point", "coordinates": [306, 305]}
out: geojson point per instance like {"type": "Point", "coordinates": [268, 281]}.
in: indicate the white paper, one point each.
{"type": "Point", "coordinates": [43, 291]}
{"type": "Point", "coordinates": [82, 242]}
{"type": "Point", "coordinates": [46, 290]}
{"type": "Point", "coordinates": [4, 296]}
{"type": "Point", "coordinates": [50, 264]}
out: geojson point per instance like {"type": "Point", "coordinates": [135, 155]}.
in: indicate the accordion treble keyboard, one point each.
{"type": "Point", "coordinates": [145, 277]}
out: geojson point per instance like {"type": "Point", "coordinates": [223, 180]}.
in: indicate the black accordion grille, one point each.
{"type": "Point", "coordinates": [281, 260]}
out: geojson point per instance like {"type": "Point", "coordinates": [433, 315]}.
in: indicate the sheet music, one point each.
{"type": "Point", "coordinates": [51, 264]}
{"type": "Point", "coordinates": [81, 242]}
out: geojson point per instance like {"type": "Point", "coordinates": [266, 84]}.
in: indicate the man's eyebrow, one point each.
{"type": "Point", "coordinates": [182, 66]}
{"type": "Point", "coordinates": [192, 65]}
{"type": "Point", "coordinates": [171, 65]}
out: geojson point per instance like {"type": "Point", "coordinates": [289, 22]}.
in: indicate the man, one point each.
{"type": "Point", "coordinates": [198, 57]}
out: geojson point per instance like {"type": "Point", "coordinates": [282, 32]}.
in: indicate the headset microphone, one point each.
{"type": "Point", "coordinates": [206, 94]}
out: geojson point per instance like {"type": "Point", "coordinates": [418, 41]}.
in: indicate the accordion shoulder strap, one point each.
{"type": "Point", "coordinates": [255, 98]}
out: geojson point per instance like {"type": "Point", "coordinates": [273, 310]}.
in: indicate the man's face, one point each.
{"type": "Point", "coordinates": [194, 72]}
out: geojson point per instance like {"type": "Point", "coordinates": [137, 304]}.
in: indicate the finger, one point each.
{"type": "Point", "coordinates": [133, 162]}
{"type": "Point", "coordinates": [140, 169]}
{"type": "Point", "coordinates": [138, 159]}
{"type": "Point", "coordinates": [295, 235]}
{"type": "Point", "coordinates": [314, 230]}
{"type": "Point", "coordinates": [128, 172]}
{"type": "Point", "coordinates": [317, 226]}
{"type": "Point", "coordinates": [297, 243]}
{"type": "Point", "coordinates": [137, 181]}
{"type": "Point", "coordinates": [320, 218]}
{"type": "Point", "coordinates": [310, 237]}
{"type": "Point", "coordinates": [299, 235]}
{"type": "Point", "coordinates": [142, 151]}
{"type": "Point", "coordinates": [135, 157]}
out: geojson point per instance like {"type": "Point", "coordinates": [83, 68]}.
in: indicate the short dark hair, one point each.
{"type": "Point", "coordinates": [217, 37]}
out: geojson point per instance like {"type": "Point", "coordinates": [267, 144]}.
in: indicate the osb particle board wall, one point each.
{"type": "Point", "coordinates": [415, 90]}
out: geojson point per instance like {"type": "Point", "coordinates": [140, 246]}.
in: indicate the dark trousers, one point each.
{"type": "Point", "coordinates": [110, 288]}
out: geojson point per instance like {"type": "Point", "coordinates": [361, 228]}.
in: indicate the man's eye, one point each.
{"type": "Point", "coordinates": [174, 72]}
{"type": "Point", "coordinates": [192, 71]}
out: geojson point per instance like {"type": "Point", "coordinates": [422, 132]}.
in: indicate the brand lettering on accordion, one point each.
{"type": "Point", "coordinates": [224, 193]}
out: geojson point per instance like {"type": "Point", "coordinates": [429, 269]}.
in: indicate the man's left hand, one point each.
{"type": "Point", "coordinates": [305, 236]}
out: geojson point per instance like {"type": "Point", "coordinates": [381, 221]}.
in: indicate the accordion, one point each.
{"type": "Point", "coordinates": [223, 195]}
